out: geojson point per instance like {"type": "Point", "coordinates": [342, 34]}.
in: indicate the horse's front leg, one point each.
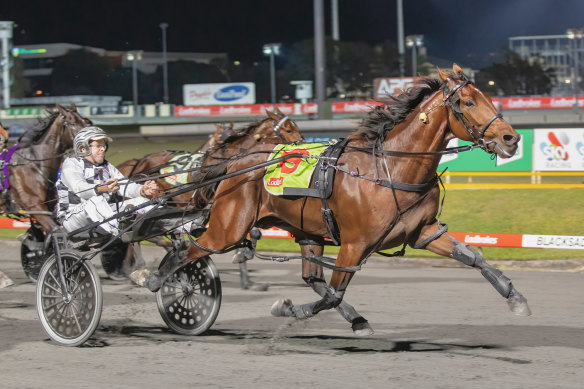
{"type": "Point", "coordinates": [448, 246]}
{"type": "Point", "coordinates": [313, 275]}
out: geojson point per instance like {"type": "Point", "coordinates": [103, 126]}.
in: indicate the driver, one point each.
{"type": "Point", "coordinates": [88, 189]}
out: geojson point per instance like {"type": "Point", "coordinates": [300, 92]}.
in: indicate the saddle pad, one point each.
{"type": "Point", "coordinates": [294, 172]}
{"type": "Point", "coordinates": [179, 163]}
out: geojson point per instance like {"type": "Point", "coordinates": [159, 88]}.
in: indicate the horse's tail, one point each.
{"type": "Point", "coordinates": [205, 194]}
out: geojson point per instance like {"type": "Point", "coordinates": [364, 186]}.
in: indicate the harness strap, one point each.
{"type": "Point", "coordinates": [409, 187]}
{"type": "Point", "coordinates": [320, 260]}
{"type": "Point", "coordinates": [324, 184]}
{"type": "Point", "coordinates": [5, 160]}
{"type": "Point", "coordinates": [442, 228]}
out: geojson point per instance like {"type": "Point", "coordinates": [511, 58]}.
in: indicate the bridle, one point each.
{"type": "Point", "coordinates": [71, 128]}
{"type": "Point", "coordinates": [278, 126]}
{"type": "Point", "coordinates": [280, 123]}
{"type": "Point", "coordinates": [451, 98]}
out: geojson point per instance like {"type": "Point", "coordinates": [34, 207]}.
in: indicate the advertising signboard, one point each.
{"type": "Point", "coordinates": [477, 160]}
{"type": "Point", "coordinates": [384, 86]}
{"type": "Point", "coordinates": [558, 149]}
{"type": "Point", "coordinates": [219, 93]}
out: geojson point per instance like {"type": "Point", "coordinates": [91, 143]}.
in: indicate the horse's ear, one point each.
{"type": "Point", "coordinates": [62, 110]}
{"type": "Point", "coordinates": [277, 110]}
{"type": "Point", "coordinates": [231, 124]}
{"type": "Point", "coordinates": [457, 70]}
{"type": "Point", "coordinates": [443, 76]}
{"type": "Point", "coordinates": [272, 115]}
{"type": "Point", "coordinates": [73, 106]}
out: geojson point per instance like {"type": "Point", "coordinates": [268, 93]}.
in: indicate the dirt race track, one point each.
{"type": "Point", "coordinates": [435, 327]}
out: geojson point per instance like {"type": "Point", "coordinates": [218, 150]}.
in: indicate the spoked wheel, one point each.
{"type": "Point", "coordinates": [190, 299]}
{"type": "Point", "coordinates": [69, 320]}
{"type": "Point", "coordinates": [32, 255]}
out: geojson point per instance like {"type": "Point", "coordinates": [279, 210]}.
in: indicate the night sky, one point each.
{"type": "Point", "coordinates": [465, 31]}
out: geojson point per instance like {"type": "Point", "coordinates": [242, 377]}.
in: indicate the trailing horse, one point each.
{"type": "Point", "coordinates": [222, 145]}
{"type": "Point", "coordinates": [30, 174]}
{"type": "Point", "coordinates": [385, 192]}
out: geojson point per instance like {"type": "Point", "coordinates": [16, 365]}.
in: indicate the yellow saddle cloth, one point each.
{"type": "Point", "coordinates": [295, 172]}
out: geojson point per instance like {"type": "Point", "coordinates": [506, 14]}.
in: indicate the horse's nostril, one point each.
{"type": "Point", "coordinates": [510, 140]}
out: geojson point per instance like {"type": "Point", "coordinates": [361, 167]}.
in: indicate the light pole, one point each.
{"type": "Point", "coordinates": [272, 49]}
{"type": "Point", "coordinates": [5, 42]}
{"type": "Point", "coordinates": [575, 36]}
{"type": "Point", "coordinates": [134, 56]}
{"type": "Point", "coordinates": [163, 26]}
{"type": "Point", "coordinates": [414, 41]}
{"type": "Point", "coordinates": [400, 38]}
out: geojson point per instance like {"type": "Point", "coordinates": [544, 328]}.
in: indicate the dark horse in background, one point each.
{"type": "Point", "coordinates": [385, 193]}
{"type": "Point", "coordinates": [32, 172]}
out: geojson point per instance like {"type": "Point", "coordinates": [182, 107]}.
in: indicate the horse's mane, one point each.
{"type": "Point", "coordinates": [34, 134]}
{"type": "Point", "coordinates": [235, 134]}
{"type": "Point", "coordinates": [394, 110]}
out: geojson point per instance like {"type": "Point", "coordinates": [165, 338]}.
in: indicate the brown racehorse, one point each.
{"type": "Point", "coordinates": [32, 173]}
{"type": "Point", "coordinates": [384, 193]}
{"type": "Point", "coordinates": [34, 166]}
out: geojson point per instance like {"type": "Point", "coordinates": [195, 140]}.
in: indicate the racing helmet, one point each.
{"type": "Point", "coordinates": [85, 136]}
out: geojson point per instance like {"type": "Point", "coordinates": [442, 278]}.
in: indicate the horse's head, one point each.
{"type": "Point", "coordinates": [70, 122]}
{"type": "Point", "coordinates": [280, 125]}
{"type": "Point", "coordinates": [473, 117]}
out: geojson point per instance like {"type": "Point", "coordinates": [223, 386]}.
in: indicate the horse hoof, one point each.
{"type": "Point", "coordinates": [138, 277]}
{"type": "Point", "coordinates": [362, 329]}
{"type": "Point", "coordinates": [518, 304]}
{"type": "Point", "coordinates": [282, 308]}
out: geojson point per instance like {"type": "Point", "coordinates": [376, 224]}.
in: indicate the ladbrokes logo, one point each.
{"type": "Point", "coordinates": [556, 149]}
{"type": "Point", "coordinates": [276, 181]}
{"type": "Point", "coordinates": [478, 239]}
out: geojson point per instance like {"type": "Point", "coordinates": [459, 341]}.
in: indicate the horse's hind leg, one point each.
{"type": "Point", "coordinates": [332, 295]}
{"type": "Point", "coordinates": [313, 275]}
{"type": "Point", "coordinates": [447, 246]}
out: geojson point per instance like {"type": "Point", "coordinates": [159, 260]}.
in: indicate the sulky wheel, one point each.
{"type": "Point", "coordinates": [71, 319]}
{"type": "Point", "coordinates": [190, 299]}
{"type": "Point", "coordinates": [32, 255]}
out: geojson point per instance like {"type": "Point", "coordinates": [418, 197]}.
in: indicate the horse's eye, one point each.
{"type": "Point", "coordinates": [469, 103]}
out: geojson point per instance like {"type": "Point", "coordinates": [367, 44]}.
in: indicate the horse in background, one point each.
{"type": "Point", "coordinates": [385, 193]}
{"type": "Point", "coordinates": [35, 162]}
{"type": "Point", "coordinates": [224, 143]}
{"type": "Point", "coordinates": [30, 171]}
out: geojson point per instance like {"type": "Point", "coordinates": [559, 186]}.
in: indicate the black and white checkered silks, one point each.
{"type": "Point", "coordinates": [79, 204]}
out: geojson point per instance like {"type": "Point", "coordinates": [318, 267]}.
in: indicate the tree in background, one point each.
{"type": "Point", "coordinates": [350, 66]}
{"type": "Point", "coordinates": [516, 76]}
